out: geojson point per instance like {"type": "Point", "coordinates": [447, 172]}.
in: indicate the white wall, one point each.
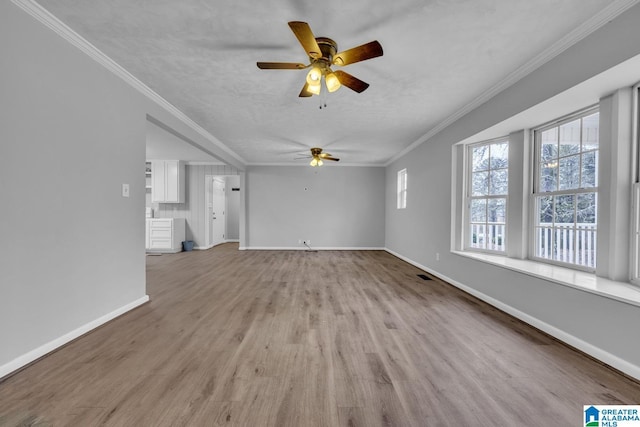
{"type": "Point", "coordinates": [333, 206]}
{"type": "Point", "coordinates": [424, 228]}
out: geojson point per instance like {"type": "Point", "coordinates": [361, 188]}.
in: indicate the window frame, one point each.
{"type": "Point", "coordinates": [634, 253]}
{"type": "Point", "coordinates": [402, 187]}
{"type": "Point", "coordinates": [468, 197]}
{"type": "Point", "coordinates": [536, 133]}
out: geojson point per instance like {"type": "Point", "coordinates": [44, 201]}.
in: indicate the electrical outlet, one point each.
{"type": "Point", "coordinates": [437, 256]}
{"type": "Point", "coordinates": [299, 241]}
{"type": "Point", "coordinates": [125, 190]}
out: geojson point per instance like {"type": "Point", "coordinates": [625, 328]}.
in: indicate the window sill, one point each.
{"type": "Point", "coordinates": [587, 282]}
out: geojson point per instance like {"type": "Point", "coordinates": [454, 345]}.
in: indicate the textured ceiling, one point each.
{"type": "Point", "coordinates": [439, 55]}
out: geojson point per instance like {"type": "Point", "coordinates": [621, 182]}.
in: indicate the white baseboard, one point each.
{"type": "Point", "coordinates": [302, 248]}
{"type": "Point", "coordinates": [37, 353]}
{"type": "Point", "coordinates": [202, 248]}
{"type": "Point", "coordinates": [584, 346]}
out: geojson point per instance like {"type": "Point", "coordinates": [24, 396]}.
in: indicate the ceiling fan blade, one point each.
{"type": "Point", "coordinates": [306, 38]}
{"type": "Point", "coordinates": [351, 82]}
{"type": "Point", "coordinates": [335, 159]}
{"type": "Point", "coordinates": [304, 93]}
{"type": "Point", "coordinates": [280, 66]}
{"type": "Point", "coordinates": [303, 157]}
{"type": "Point", "coordinates": [323, 155]}
{"type": "Point", "coordinates": [360, 53]}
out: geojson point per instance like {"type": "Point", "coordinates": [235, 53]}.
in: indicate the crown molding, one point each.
{"type": "Point", "coordinates": [49, 20]}
{"type": "Point", "coordinates": [610, 12]}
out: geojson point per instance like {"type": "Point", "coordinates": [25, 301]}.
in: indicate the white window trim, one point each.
{"type": "Point", "coordinates": [534, 176]}
{"type": "Point", "coordinates": [613, 283]}
{"type": "Point", "coordinates": [402, 189]}
{"type": "Point", "coordinates": [467, 199]}
{"type": "Point", "coordinates": [565, 276]}
{"type": "Point", "coordinates": [634, 253]}
{"type": "Point", "coordinates": [634, 262]}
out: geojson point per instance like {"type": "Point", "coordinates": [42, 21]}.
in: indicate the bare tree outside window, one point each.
{"type": "Point", "coordinates": [565, 227]}
{"type": "Point", "coordinates": [487, 195]}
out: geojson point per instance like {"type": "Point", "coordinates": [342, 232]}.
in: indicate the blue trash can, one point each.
{"type": "Point", "coordinates": [187, 245]}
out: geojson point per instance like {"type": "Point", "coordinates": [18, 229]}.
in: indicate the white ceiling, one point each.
{"type": "Point", "coordinates": [440, 57]}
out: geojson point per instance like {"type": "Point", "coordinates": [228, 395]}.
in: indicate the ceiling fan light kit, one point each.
{"type": "Point", "coordinates": [316, 162]}
{"type": "Point", "coordinates": [317, 157]}
{"type": "Point", "coordinates": [322, 54]}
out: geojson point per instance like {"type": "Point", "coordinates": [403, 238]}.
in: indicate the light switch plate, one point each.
{"type": "Point", "coordinates": [125, 190]}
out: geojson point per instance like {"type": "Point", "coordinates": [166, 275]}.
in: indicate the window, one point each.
{"type": "Point", "coordinates": [402, 189]}
{"type": "Point", "coordinates": [573, 197]}
{"type": "Point", "coordinates": [635, 238]}
{"type": "Point", "coordinates": [635, 202]}
{"type": "Point", "coordinates": [566, 190]}
{"type": "Point", "coordinates": [487, 190]}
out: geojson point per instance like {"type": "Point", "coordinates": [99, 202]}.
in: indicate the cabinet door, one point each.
{"type": "Point", "coordinates": [172, 182]}
{"type": "Point", "coordinates": [160, 243]}
{"type": "Point", "coordinates": [158, 178]}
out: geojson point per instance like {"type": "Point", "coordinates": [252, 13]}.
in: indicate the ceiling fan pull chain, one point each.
{"type": "Point", "coordinates": [323, 100]}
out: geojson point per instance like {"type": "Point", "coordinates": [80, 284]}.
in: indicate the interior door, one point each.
{"type": "Point", "coordinates": [218, 215]}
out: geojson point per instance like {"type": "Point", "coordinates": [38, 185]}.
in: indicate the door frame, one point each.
{"type": "Point", "coordinates": [208, 182]}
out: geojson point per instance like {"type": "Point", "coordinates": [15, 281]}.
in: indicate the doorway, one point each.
{"type": "Point", "coordinates": [216, 210]}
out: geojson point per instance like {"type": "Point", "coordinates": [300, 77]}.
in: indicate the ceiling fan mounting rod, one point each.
{"type": "Point", "coordinates": [328, 48]}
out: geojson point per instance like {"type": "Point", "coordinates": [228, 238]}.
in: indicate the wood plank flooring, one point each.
{"type": "Point", "coordinates": [292, 338]}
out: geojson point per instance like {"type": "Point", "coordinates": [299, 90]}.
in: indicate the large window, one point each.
{"type": "Point", "coordinates": [402, 189]}
{"type": "Point", "coordinates": [487, 190]}
{"type": "Point", "coordinates": [566, 190]}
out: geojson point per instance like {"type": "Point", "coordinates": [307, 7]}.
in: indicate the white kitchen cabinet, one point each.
{"type": "Point", "coordinates": [165, 234]}
{"type": "Point", "coordinates": [167, 181]}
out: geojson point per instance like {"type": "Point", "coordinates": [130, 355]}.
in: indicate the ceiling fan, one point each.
{"type": "Point", "coordinates": [322, 54]}
{"type": "Point", "coordinates": [317, 157]}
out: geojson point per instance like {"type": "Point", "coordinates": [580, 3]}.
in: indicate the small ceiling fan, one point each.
{"type": "Point", "coordinates": [322, 54]}
{"type": "Point", "coordinates": [317, 157]}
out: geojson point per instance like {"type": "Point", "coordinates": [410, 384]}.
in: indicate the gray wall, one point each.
{"type": "Point", "coordinates": [71, 133]}
{"type": "Point", "coordinates": [193, 209]}
{"type": "Point", "coordinates": [233, 207]}
{"type": "Point", "coordinates": [424, 228]}
{"type": "Point", "coordinates": [337, 207]}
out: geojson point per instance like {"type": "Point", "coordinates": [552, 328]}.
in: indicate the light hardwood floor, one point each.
{"type": "Point", "coordinates": [292, 338]}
